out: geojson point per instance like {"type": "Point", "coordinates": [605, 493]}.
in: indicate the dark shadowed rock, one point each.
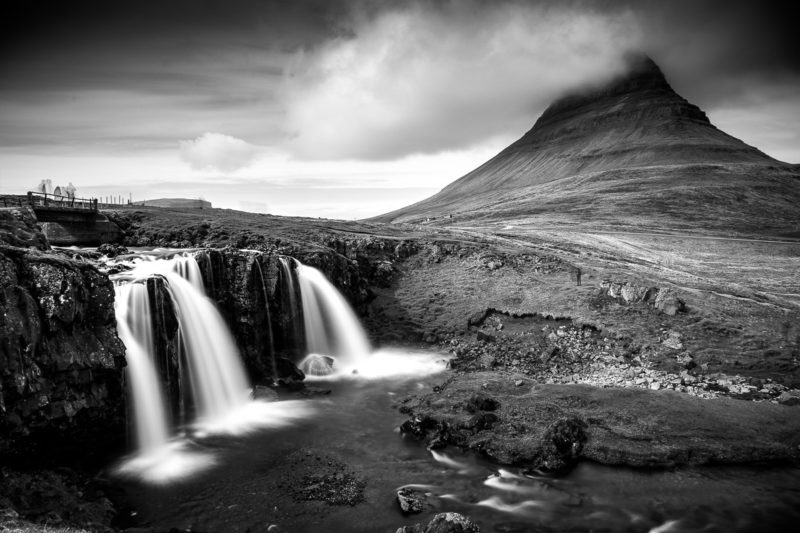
{"type": "Point", "coordinates": [412, 501]}
{"type": "Point", "coordinates": [61, 387]}
{"type": "Point", "coordinates": [444, 523]}
{"type": "Point", "coordinates": [481, 402]}
{"type": "Point", "coordinates": [110, 249]}
{"type": "Point", "coordinates": [19, 227]}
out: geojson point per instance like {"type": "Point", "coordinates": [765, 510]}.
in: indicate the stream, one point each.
{"type": "Point", "coordinates": [243, 482]}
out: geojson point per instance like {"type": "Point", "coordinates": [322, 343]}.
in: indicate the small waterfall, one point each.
{"type": "Point", "coordinates": [218, 382]}
{"type": "Point", "coordinates": [269, 317]}
{"type": "Point", "coordinates": [332, 328]}
{"type": "Point", "coordinates": [132, 307]}
{"type": "Point", "coordinates": [288, 276]}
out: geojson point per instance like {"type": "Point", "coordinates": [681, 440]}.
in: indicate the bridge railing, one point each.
{"type": "Point", "coordinates": [43, 199]}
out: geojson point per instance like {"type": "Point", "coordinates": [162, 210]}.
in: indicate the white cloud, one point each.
{"type": "Point", "coordinates": [217, 151]}
{"type": "Point", "coordinates": [425, 79]}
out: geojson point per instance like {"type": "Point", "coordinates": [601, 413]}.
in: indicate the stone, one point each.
{"type": "Point", "coordinates": [19, 227]}
{"type": "Point", "coordinates": [112, 249]}
{"type": "Point", "coordinates": [685, 360]}
{"type": "Point", "coordinates": [477, 318]}
{"type": "Point", "coordinates": [673, 340]}
{"type": "Point", "coordinates": [315, 364]}
{"type": "Point", "coordinates": [451, 523]}
{"type": "Point", "coordinates": [481, 402]}
{"type": "Point", "coordinates": [562, 444]}
{"type": "Point", "coordinates": [61, 358]}
{"type": "Point", "coordinates": [790, 397]}
{"type": "Point", "coordinates": [264, 394]}
{"type": "Point", "coordinates": [412, 501]}
{"type": "Point", "coordinates": [485, 337]}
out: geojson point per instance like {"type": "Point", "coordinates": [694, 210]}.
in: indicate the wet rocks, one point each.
{"type": "Point", "coordinates": [562, 444]}
{"type": "Point", "coordinates": [550, 427]}
{"type": "Point", "coordinates": [444, 523]}
{"type": "Point", "coordinates": [264, 394]}
{"type": "Point", "coordinates": [411, 500]}
{"type": "Point", "coordinates": [317, 365]}
{"type": "Point", "coordinates": [112, 249]}
{"type": "Point", "coordinates": [19, 227]}
{"type": "Point", "coordinates": [61, 387]}
{"type": "Point", "coordinates": [324, 478]}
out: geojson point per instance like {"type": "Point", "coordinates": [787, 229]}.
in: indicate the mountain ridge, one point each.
{"type": "Point", "coordinates": [635, 127]}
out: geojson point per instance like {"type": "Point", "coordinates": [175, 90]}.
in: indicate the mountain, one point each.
{"type": "Point", "coordinates": [630, 153]}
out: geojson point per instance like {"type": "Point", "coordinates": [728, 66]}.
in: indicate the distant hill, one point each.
{"type": "Point", "coordinates": [175, 202]}
{"type": "Point", "coordinates": [630, 153]}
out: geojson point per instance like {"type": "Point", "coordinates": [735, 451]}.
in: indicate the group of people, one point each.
{"type": "Point", "coordinates": [46, 186]}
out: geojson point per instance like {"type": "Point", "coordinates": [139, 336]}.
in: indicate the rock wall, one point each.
{"type": "Point", "coordinates": [251, 291]}
{"type": "Point", "coordinates": [61, 362]}
{"type": "Point", "coordinates": [18, 227]}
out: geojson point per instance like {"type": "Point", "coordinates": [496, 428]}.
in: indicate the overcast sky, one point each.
{"type": "Point", "coordinates": [349, 109]}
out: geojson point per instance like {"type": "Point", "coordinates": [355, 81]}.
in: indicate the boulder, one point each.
{"type": "Point", "coordinates": [444, 523]}
{"type": "Point", "coordinates": [412, 501]}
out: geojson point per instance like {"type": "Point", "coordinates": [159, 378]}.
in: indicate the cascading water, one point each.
{"type": "Point", "coordinates": [218, 380]}
{"type": "Point", "coordinates": [288, 277]}
{"type": "Point", "coordinates": [134, 326]}
{"type": "Point", "coordinates": [332, 328]}
{"type": "Point", "coordinates": [220, 389]}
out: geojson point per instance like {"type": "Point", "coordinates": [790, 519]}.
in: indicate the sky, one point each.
{"type": "Point", "coordinates": [349, 109]}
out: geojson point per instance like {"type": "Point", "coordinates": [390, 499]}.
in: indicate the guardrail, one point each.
{"type": "Point", "coordinates": [43, 199]}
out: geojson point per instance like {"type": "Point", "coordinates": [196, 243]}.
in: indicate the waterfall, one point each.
{"type": "Point", "coordinates": [269, 317]}
{"type": "Point", "coordinates": [218, 382]}
{"type": "Point", "coordinates": [332, 328]}
{"type": "Point", "coordinates": [135, 329]}
{"type": "Point", "coordinates": [288, 276]}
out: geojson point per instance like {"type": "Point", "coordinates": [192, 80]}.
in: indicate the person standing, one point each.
{"type": "Point", "coordinates": [578, 276]}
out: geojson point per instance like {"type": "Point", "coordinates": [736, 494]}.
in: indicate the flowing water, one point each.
{"type": "Point", "coordinates": [237, 467]}
{"type": "Point", "coordinates": [357, 423]}
{"type": "Point", "coordinates": [218, 383]}
{"type": "Point", "coordinates": [332, 328]}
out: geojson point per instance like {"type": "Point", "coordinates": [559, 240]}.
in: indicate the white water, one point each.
{"type": "Point", "coordinates": [219, 385]}
{"type": "Point", "coordinates": [218, 381]}
{"type": "Point", "coordinates": [134, 326]}
{"type": "Point", "coordinates": [331, 325]}
{"type": "Point", "coordinates": [290, 289]}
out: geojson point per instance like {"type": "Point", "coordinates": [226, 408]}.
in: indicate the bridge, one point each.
{"type": "Point", "coordinates": [68, 221]}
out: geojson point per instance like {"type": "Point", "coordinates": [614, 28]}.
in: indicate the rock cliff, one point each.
{"type": "Point", "coordinates": [61, 363]}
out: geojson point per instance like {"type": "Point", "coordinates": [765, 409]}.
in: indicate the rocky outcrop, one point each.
{"type": "Point", "coordinates": [61, 363]}
{"type": "Point", "coordinates": [19, 227]}
{"type": "Point", "coordinates": [251, 291]}
{"type": "Point", "coordinates": [663, 299]}
{"type": "Point", "coordinates": [550, 427]}
{"type": "Point", "coordinates": [444, 523]}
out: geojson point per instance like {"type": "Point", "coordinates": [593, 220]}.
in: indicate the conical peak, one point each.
{"type": "Point", "coordinates": [642, 88]}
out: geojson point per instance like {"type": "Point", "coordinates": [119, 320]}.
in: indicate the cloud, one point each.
{"type": "Point", "coordinates": [217, 151]}
{"type": "Point", "coordinates": [432, 77]}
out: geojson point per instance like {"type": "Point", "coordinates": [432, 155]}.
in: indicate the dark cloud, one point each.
{"type": "Point", "coordinates": [370, 79]}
